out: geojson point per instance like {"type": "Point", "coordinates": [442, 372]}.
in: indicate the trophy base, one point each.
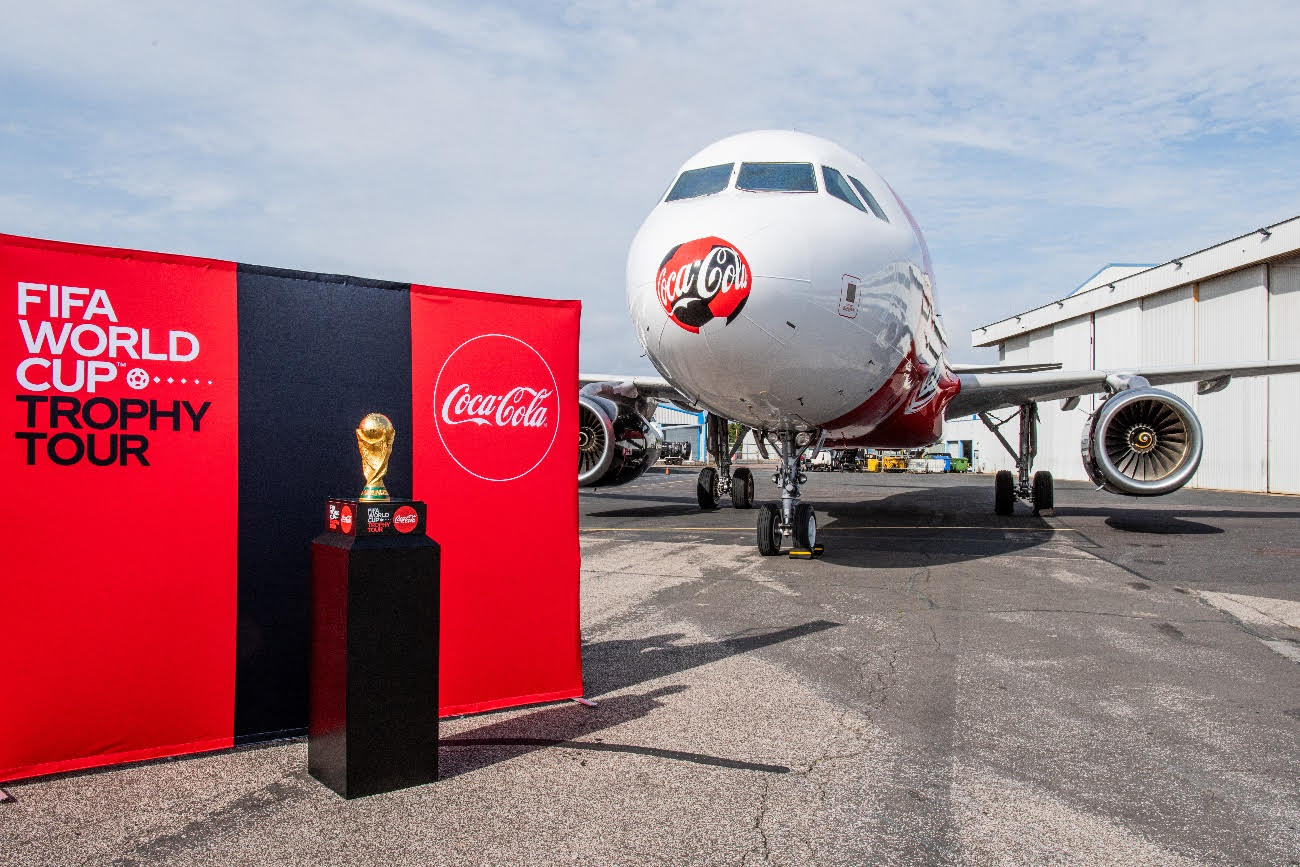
{"type": "Point", "coordinates": [358, 517]}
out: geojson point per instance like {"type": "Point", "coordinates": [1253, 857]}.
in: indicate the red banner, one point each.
{"type": "Point", "coordinates": [495, 420]}
{"type": "Point", "coordinates": [154, 593]}
{"type": "Point", "coordinates": [118, 595]}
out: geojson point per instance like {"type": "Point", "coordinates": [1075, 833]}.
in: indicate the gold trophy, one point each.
{"type": "Point", "coordinates": [375, 442]}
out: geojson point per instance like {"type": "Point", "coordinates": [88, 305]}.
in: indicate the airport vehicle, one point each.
{"type": "Point", "coordinates": [894, 462]}
{"type": "Point", "coordinates": [846, 460]}
{"type": "Point", "coordinates": [781, 284]}
{"type": "Point", "coordinates": [675, 452]}
{"type": "Point", "coordinates": [835, 460]}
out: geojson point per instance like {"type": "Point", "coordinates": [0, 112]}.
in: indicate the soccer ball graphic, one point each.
{"type": "Point", "coordinates": [137, 378]}
{"type": "Point", "coordinates": [703, 280]}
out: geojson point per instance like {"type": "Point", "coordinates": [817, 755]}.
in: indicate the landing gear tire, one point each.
{"type": "Point", "coordinates": [1004, 493]}
{"type": "Point", "coordinates": [769, 530]}
{"type": "Point", "coordinates": [805, 526]}
{"type": "Point", "coordinates": [742, 489]}
{"type": "Point", "coordinates": [706, 489]}
{"type": "Point", "coordinates": [1044, 495]}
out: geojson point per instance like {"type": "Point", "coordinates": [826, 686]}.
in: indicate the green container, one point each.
{"type": "Point", "coordinates": [960, 465]}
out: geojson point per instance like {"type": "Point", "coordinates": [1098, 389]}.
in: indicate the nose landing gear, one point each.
{"type": "Point", "coordinates": [775, 522]}
{"type": "Point", "coordinates": [792, 517]}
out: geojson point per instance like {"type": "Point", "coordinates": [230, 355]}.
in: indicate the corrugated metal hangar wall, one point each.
{"type": "Point", "coordinates": [1245, 313]}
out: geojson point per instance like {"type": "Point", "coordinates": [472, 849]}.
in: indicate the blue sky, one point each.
{"type": "Point", "coordinates": [517, 149]}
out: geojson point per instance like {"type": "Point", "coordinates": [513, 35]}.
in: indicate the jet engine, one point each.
{"type": "Point", "coordinates": [1143, 442]}
{"type": "Point", "coordinates": [616, 441]}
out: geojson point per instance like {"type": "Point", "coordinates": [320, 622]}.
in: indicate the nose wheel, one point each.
{"type": "Point", "coordinates": [770, 533]}
{"type": "Point", "coordinates": [793, 518]}
{"type": "Point", "coordinates": [805, 527]}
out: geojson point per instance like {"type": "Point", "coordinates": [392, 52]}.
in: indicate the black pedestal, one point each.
{"type": "Point", "coordinates": [374, 662]}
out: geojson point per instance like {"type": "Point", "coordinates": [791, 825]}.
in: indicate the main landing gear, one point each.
{"type": "Point", "coordinates": [1008, 488]}
{"type": "Point", "coordinates": [716, 482]}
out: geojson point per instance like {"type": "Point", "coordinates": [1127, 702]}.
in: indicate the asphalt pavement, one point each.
{"type": "Point", "coordinates": [1118, 683]}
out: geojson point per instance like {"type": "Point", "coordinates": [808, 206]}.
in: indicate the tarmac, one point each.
{"type": "Point", "coordinates": [1118, 683]}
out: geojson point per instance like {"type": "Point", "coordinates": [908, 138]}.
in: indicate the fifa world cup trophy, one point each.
{"type": "Point", "coordinates": [375, 442]}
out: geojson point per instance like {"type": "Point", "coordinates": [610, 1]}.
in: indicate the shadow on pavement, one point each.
{"type": "Point", "coordinates": [673, 511]}
{"type": "Point", "coordinates": [620, 663]}
{"type": "Point", "coordinates": [925, 527]}
{"type": "Point", "coordinates": [562, 726]}
{"type": "Point", "coordinates": [612, 666]}
{"type": "Point", "coordinates": [1159, 523]}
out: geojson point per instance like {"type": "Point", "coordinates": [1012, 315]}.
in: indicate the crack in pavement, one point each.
{"type": "Point", "coordinates": [760, 816]}
{"type": "Point", "coordinates": [911, 587]}
{"type": "Point", "coordinates": [218, 823]}
{"type": "Point", "coordinates": [1083, 612]}
{"type": "Point", "coordinates": [881, 687]}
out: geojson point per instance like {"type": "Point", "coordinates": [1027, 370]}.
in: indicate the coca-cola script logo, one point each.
{"type": "Point", "coordinates": [702, 280]}
{"type": "Point", "coordinates": [345, 519]}
{"type": "Point", "coordinates": [496, 407]}
{"type": "Point", "coordinates": [405, 519]}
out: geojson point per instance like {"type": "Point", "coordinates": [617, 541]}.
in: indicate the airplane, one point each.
{"type": "Point", "coordinates": [780, 283]}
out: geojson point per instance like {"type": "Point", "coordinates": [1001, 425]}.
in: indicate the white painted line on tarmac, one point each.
{"type": "Point", "coordinates": [824, 529]}
{"type": "Point", "coordinates": [946, 527]}
{"type": "Point", "coordinates": [1261, 613]}
{"type": "Point", "coordinates": [1257, 610]}
{"type": "Point", "coordinates": [1288, 649]}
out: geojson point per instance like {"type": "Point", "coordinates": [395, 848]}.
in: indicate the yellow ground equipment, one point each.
{"type": "Point", "coordinates": [894, 463]}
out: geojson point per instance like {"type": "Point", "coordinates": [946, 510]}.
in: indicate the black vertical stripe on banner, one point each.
{"type": "Point", "coordinates": [317, 352]}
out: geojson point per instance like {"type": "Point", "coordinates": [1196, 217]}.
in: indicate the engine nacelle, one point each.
{"type": "Point", "coordinates": [1142, 442]}
{"type": "Point", "coordinates": [616, 443]}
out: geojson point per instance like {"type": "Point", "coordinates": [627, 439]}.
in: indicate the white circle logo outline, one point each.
{"type": "Point", "coordinates": [438, 427]}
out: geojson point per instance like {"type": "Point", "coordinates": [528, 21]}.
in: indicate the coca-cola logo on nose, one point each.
{"type": "Point", "coordinates": [496, 407]}
{"type": "Point", "coordinates": [702, 280]}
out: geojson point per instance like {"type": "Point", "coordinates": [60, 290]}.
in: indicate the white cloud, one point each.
{"type": "Point", "coordinates": [494, 147]}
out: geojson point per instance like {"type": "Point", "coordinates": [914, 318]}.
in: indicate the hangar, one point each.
{"type": "Point", "coordinates": [1238, 300]}
{"type": "Point", "coordinates": [682, 426]}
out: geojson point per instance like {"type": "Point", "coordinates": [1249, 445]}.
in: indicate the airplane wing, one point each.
{"type": "Point", "coordinates": [984, 392]}
{"type": "Point", "coordinates": [655, 387]}
{"type": "Point", "coordinates": [1031, 367]}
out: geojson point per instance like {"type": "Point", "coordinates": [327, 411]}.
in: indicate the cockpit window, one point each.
{"type": "Point", "coordinates": [777, 177]}
{"type": "Point", "coordinates": [868, 198]}
{"type": "Point", "coordinates": [839, 188]}
{"type": "Point", "coordinates": [700, 182]}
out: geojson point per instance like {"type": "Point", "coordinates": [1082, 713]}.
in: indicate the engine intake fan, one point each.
{"type": "Point", "coordinates": [616, 443]}
{"type": "Point", "coordinates": [1143, 442]}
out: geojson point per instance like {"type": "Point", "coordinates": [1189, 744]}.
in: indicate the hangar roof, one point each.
{"type": "Point", "coordinates": [1109, 274]}
{"type": "Point", "coordinates": [1108, 287]}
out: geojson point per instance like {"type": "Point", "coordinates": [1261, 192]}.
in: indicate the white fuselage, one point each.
{"type": "Point", "coordinates": [839, 299]}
